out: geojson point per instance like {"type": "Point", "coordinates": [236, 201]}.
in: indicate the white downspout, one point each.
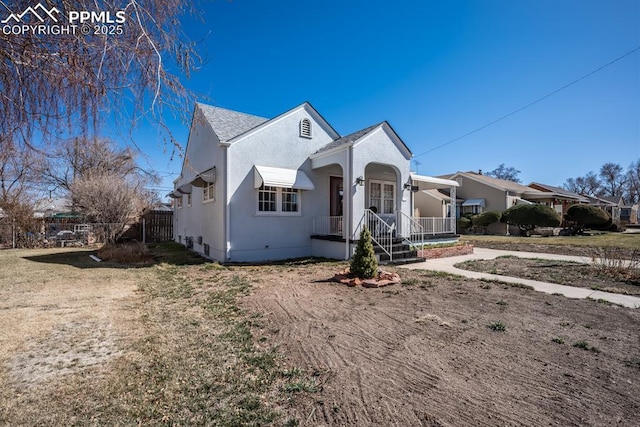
{"type": "Point", "coordinates": [227, 209]}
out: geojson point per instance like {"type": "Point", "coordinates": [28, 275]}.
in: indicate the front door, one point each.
{"type": "Point", "coordinates": [335, 195]}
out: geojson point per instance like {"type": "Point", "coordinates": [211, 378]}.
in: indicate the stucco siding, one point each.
{"type": "Point", "coordinates": [202, 219]}
{"type": "Point", "coordinates": [267, 236]}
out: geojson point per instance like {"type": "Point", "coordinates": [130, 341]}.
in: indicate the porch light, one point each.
{"type": "Point", "coordinates": [360, 181]}
{"type": "Point", "coordinates": [412, 188]}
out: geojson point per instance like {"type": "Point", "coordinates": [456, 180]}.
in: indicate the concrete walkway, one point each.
{"type": "Point", "coordinates": [447, 265]}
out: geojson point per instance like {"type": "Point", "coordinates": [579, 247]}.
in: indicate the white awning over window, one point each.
{"type": "Point", "coordinates": [204, 178]}
{"type": "Point", "coordinates": [279, 177]}
{"type": "Point", "coordinates": [474, 202]}
{"type": "Point", "coordinates": [185, 189]}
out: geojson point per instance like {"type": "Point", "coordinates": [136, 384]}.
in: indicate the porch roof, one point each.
{"type": "Point", "coordinates": [429, 182]}
{"type": "Point", "coordinates": [280, 177]}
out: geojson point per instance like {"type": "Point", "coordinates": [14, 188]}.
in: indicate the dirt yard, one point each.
{"type": "Point", "coordinates": [431, 353]}
{"type": "Point", "coordinates": [187, 343]}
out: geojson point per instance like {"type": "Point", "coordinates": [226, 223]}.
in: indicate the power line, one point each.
{"type": "Point", "coordinates": [529, 104]}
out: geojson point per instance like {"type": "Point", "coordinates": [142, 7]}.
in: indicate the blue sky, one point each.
{"type": "Point", "coordinates": [435, 70]}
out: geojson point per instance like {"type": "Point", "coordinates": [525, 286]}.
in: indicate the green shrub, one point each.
{"type": "Point", "coordinates": [528, 217]}
{"type": "Point", "coordinates": [487, 218]}
{"type": "Point", "coordinates": [364, 263]}
{"type": "Point", "coordinates": [588, 216]}
{"type": "Point", "coordinates": [464, 223]}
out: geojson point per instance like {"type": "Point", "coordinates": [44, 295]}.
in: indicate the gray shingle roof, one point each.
{"type": "Point", "coordinates": [229, 124]}
{"type": "Point", "coordinates": [347, 139]}
{"type": "Point", "coordinates": [560, 191]}
{"type": "Point", "coordinates": [503, 183]}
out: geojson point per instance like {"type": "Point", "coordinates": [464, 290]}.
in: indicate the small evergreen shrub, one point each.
{"type": "Point", "coordinates": [364, 263]}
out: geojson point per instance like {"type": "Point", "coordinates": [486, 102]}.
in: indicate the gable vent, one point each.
{"type": "Point", "coordinates": [305, 128]}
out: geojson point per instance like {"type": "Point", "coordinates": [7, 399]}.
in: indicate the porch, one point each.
{"type": "Point", "coordinates": [396, 237]}
{"type": "Point", "coordinates": [425, 228]}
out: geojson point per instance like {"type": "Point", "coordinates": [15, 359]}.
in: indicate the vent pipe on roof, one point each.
{"type": "Point", "coordinates": [479, 171]}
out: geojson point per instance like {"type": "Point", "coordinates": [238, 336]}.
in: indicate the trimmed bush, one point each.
{"type": "Point", "coordinates": [587, 216]}
{"type": "Point", "coordinates": [464, 223]}
{"type": "Point", "coordinates": [485, 219]}
{"type": "Point", "coordinates": [528, 217]}
{"type": "Point", "coordinates": [364, 263]}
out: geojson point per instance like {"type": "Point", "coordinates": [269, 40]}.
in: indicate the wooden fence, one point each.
{"type": "Point", "coordinates": [156, 226]}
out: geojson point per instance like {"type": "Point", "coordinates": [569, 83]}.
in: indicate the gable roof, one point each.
{"type": "Point", "coordinates": [616, 200]}
{"type": "Point", "coordinates": [559, 191]}
{"type": "Point", "coordinates": [228, 124]}
{"type": "Point", "coordinates": [501, 184]}
{"type": "Point", "coordinates": [356, 136]}
{"type": "Point", "coordinates": [241, 125]}
{"type": "Point", "coordinates": [347, 139]}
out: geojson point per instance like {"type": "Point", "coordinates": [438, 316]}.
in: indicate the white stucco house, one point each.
{"type": "Point", "coordinates": [256, 189]}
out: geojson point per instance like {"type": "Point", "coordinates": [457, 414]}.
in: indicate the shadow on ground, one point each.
{"type": "Point", "coordinates": [167, 253]}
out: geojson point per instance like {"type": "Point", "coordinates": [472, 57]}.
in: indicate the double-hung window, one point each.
{"type": "Point", "coordinates": [267, 199]}
{"type": "Point", "coordinates": [277, 200]}
{"type": "Point", "coordinates": [209, 192]}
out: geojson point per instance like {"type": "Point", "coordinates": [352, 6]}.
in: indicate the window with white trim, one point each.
{"type": "Point", "coordinates": [278, 200]}
{"type": "Point", "coordinates": [267, 199]}
{"type": "Point", "coordinates": [382, 196]}
{"type": "Point", "coordinates": [289, 200]}
{"type": "Point", "coordinates": [179, 202]}
{"type": "Point", "coordinates": [305, 128]}
{"type": "Point", "coordinates": [209, 192]}
{"type": "Point", "coordinates": [189, 199]}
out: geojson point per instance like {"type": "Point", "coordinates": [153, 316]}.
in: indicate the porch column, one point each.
{"type": "Point", "coordinates": [454, 214]}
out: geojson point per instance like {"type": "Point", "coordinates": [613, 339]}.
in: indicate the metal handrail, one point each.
{"type": "Point", "coordinates": [381, 231]}
{"type": "Point", "coordinates": [415, 228]}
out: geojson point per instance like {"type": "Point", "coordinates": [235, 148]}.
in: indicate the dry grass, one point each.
{"type": "Point", "coordinates": [126, 253]}
{"type": "Point", "coordinates": [614, 240]}
{"type": "Point", "coordinates": [92, 343]}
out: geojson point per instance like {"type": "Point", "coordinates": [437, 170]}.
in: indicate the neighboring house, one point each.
{"type": "Point", "coordinates": [612, 205]}
{"type": "Point", "coordinates": [558, 198]}
{"type": "Point", "coordinates": [257, 189]}
{"type": "Point", "coordinates": [634, 213]}
{"type": "Point", "coordinates": [52, 206]}
{"type": "Point", "coordinates": [481, 193]}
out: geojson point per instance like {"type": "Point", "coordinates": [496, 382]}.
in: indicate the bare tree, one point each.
{"type": "Point", "coordinates": [612, 179]}
{"type": "Point", "coordinates": [504, 172]}
{"type": "Point", "coordinates": [59, 83]}
{"type": "Point", "coordinates": [19, 187]}
{"type": "Point", "coordinates": [588, 184]}
{"type": "Point", "coordinates": [81, 156]}
{"type": "Point", "coordinates": [110, 199]}
{"type": "Point", "coordinates": [632, 183]}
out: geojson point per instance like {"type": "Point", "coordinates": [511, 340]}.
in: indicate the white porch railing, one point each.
{"type": "Point", "coordinates": [381, 231]}
{"type": "Point", "coordinates": [327, 225]}
{"type": "Point", "coordinates": [410, 229]}
{"type": "Point", "coordinates": [434, 225]}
